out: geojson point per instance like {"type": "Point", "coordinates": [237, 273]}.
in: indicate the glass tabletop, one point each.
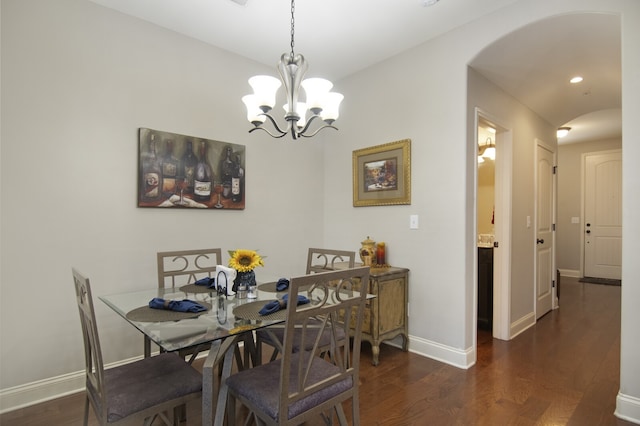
{"type": "Point", "coordinates": [226, 315]}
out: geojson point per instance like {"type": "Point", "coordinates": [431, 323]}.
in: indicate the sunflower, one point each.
{"type": "Point", "coordinates": [245, 260]}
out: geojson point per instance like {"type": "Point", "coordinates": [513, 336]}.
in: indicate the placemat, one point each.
{"type": "Point", "coordinates": [147, 314]}
{"type": "Point", "coordinates": [192, 288]}
{"type": "Point", "coordinates": [250, 311]}
{"type": "Point", "coordinates": [271, 288]}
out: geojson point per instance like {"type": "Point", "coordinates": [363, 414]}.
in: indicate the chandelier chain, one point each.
{"type": "Point", "coordinates": [293, 9]}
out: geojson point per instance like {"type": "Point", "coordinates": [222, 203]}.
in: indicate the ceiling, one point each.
{"type": "Point", "coordinates": [340, 38]}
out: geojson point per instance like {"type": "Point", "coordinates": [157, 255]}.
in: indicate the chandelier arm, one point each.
{"type": "Point", "coordinates": [328, 126]}
{"type": "Point", "coordinates": [273, 135]}
{"type": "Point", "coordinates": [275, 124]}
{"type": "Point", "coordinates": [311, 120]}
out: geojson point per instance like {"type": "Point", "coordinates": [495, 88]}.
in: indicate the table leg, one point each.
{"type": "Point", "coordinates": [147, 347]}
{"type": "Point", "coordinates": [224, 390]}
{"type": "Point", "coordinates": [221, 351]}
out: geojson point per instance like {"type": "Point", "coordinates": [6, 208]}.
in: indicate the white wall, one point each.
{"type": "Point", "coordinates": [421, 95]}
{"type": "Point", "coordinates": [628, 403]}
{"type": "Point", "coordinates": [78, 80]}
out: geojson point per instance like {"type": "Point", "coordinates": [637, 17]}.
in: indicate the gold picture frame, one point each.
{"type": "Point", "coordinates": [382, 174]}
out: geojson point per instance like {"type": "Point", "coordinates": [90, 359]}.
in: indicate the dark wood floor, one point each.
{"type": "Point", "coordinates": [563, 371]}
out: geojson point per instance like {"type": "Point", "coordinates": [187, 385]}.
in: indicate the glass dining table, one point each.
{"type": "Point", "coordinates": [227, 321]}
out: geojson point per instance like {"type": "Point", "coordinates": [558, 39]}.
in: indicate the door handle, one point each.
{"type": "Point", "coordinates": [540, 241]}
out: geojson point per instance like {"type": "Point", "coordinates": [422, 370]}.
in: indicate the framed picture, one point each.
{"type": "Point", "coordinates": [178, 171]}
{"type": "Point", "coordinates": [382, 174]}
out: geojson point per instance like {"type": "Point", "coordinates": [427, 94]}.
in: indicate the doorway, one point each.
{"type": "Point", "coordinates": [485, 212]}
{"type": "Point", "coordinates": [545, 221]}
{"type": "Point", "coordinates": [493, 224]}
{"type": "Point", "coordinates": [603, 215]}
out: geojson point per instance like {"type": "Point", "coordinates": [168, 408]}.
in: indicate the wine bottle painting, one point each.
{"type": "Point", "coordinates": [178, 171]}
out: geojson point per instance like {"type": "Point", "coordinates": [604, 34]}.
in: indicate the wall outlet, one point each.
{"type": "Point", "coordinates": [413, 221]}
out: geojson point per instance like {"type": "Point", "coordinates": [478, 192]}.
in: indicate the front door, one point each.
{"type": "Point", "coordinates": [545, 214]}
{"type": "Point", "coordinates": [603, 215]}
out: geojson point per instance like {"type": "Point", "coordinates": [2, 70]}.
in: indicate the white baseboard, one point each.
{"type": "Point", "coordinates": [628, 408]}
{"type": "Point", "coordinates": [456, 357]}
{"type": "Point", "coordinates": [47, 389]}
{"type": "Point", "coordinates": [522, 324]}
{"type": "Point", "coordinates": [573, 273]}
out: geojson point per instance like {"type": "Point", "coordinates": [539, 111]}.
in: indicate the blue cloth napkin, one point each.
{"type": "Point", "coordinates": [282, 284]}
{"type": "Point", "coordinates": [185, 305]}
{"type": "Point", "coordinates": [276, 305]}
{"type": "Point", "coordinates": [207, 281]}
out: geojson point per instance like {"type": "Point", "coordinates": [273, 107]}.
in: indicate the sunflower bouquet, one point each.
{"type": "Point", "coordinates": [245, 260]}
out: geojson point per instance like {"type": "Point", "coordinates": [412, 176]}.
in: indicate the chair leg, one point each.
{"type": "Point", "coordinates": [327, 417]}
{"type": "Point", "coordinates": [179, 414]}
{"type": "Point", "coordinates": [355, 409]}
{"type": "Point", "coordinates": [86, 410]}
{"type": "Point", "coordinates": [341, 417]}
{"type": "Point", "coordinates": [250, 350]}
{"type": "Point", "coordinates": [274, 355]}
{"type": "Point", "coordinates": [231, 410]}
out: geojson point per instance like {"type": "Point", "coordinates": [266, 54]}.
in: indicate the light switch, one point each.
{"type": "Point", "coordinates": [413, 221]}
{"type": "Point", "coordinates": [528, 221]}
{"type": "Point", "coordinates": [575, 219]}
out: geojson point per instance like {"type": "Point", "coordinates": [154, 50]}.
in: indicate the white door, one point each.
{"type": "Point", "coordinates": [603, 215]}
{"type": "Point", "coordinates": [545, 214]}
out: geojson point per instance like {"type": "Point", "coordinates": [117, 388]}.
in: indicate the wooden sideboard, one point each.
{"type": "Point", "coordinates": [386, 316]}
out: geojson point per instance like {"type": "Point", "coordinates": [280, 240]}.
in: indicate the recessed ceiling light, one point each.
{"type": "Point", "coordinates": [576, 79]}
{"type": "Point", "coordinates": [427, 3]}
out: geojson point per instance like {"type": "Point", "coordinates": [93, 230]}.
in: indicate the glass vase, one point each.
{"type": "Point", "coordinates": [244, 283]}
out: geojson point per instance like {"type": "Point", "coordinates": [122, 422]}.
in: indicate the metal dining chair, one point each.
{"type": "Point", "coordinates": [322, 260]}
{"type": "Point", "coordinates": [318, 260]}
{"type": "Point", "coordinates": [178, 268]}
{"type": "Point", "coordinates": [138, 392]}
{"type": "Point", "coordinates": [183, 267]}
{"type": "Point", "coordinates": [301, 385]}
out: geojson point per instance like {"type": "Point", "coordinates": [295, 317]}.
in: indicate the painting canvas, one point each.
{"type": "Point", "coordinates": [382, 174]}
{"type": "Point", "coordinates": [178, 171]}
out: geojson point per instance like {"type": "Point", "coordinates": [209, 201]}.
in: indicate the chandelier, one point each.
{"type": "Point", "coordinates": [320, 102]}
